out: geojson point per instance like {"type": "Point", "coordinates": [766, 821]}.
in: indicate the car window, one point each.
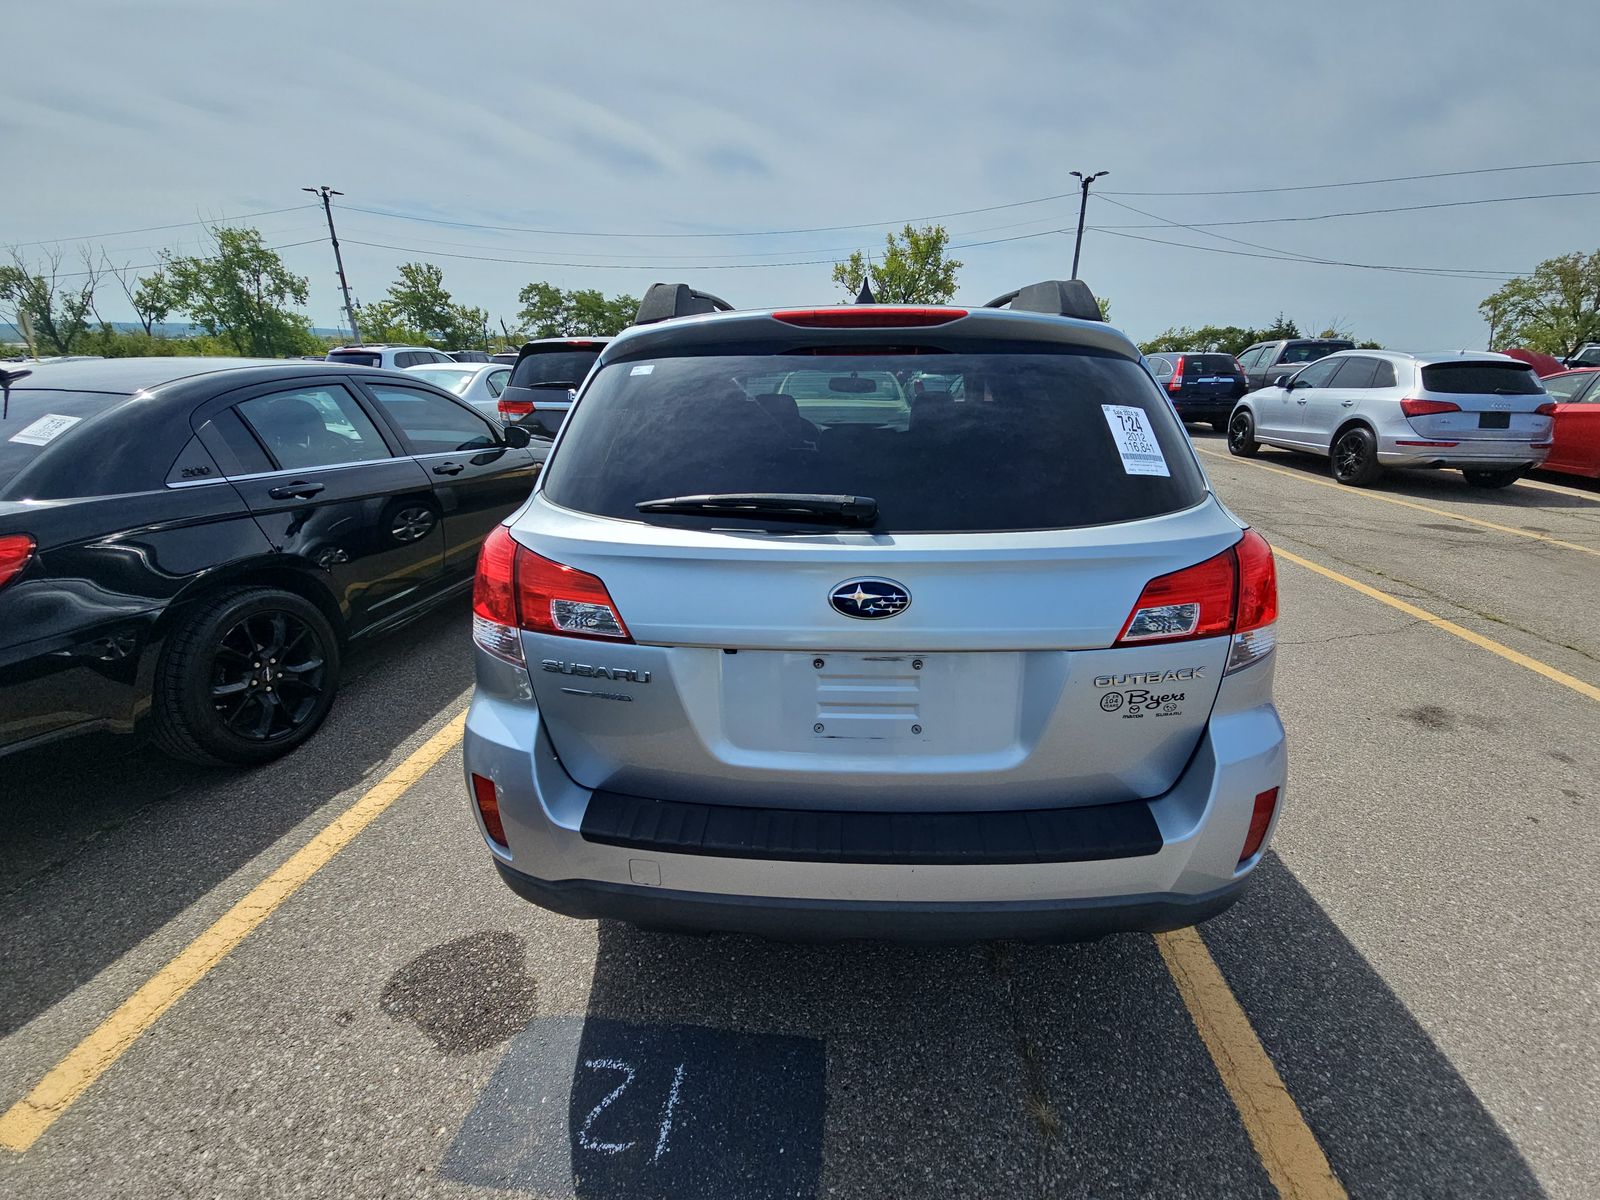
{"type": "Point", "coordinates": [1383, 377]}
{"type": "Point", "coordinates": [356, 358]}
{"type": "Point", "coordinates": [496, 381]}
{"type": "Point", "coordinates": [1046, 440]}
{"type": "Point", "coordinates": [1301, 352]}
{"type": "Point", "coordinates": [1160, 366]}
{"type": "Point", "coordinates": [1251, 358]}
{"type": "Point", "coordinates": [1592, 394]}
{"type": "Point", "coordinates": [1481, 379]}
{"type": "Point", "coordinates": [313, 427]}
{"type": "Point", "coordinates": [1564, 387]}
{"type": "Point", "coordinates": [1318, 373]}
{"type": "Point", "coordinates": [553, 368]}
{"type": "Point", "coordinates": [35, 420]}
{"type": "Point", "coordinates": [449, 378]}
{"type": "Point", "coordinates": [1355, 372]}
{"type": "Point", "coordinates": [433, 424]}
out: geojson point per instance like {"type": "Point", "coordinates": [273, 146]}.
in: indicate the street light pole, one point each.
{"type": "Point", "coordinates": [327, 193]}
{"type": "Point", "coordinates": [1083, 208]}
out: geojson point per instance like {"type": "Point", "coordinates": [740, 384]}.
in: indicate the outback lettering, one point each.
{"type": "Point", "coordinates": [1179, 674]}
{"type": "Point", "coordinates": [588, 671]}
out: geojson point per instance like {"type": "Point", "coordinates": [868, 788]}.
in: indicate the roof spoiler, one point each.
{"type": "Point", "coordinates": [1058, 297]}
{"type": "Point", "coordinates": [664, 301]}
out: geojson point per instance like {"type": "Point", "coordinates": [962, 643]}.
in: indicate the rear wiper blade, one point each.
{"type": "Point", "coordinates": [781, 506]}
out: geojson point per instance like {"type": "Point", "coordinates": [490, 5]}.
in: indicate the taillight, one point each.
{"type": "Point", "coordinates": [1260, 822]}
{"type": "Point", "coordinates": [15, 551]}
{"type": "Point", "coordinates": [517, 589]}
{"type": "Point", "coordinates": [1235, 592]}
{"type": "Point", "coordinates": [868, 316]}
{"type": "Point", "coordinates": [1176, 382]}
{"type": "Point", "coordinates": [515, 408]}
{"type": "Point", "coordinates": [1238, 367]}
{"type": "Point", "coordinates": [1427, 408]}
{"type": "Point", "coordinates": [1547, 409]}
{"type": "Point", "coordinates": [488, 802]}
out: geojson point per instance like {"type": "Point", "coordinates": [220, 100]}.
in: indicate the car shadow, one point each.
{"type": "Point", "coordinates": [729, 1066]}
{"type": "Point", "coordinates": [108, 840]}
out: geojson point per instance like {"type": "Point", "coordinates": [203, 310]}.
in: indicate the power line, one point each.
{"type": "Point", "coordinates": [1367, 212]}
{"type": "Point", "coordinates": [1312, 187]}
{"type": "Point", "coordinates": [89, 237]}
{"type": "Point", "coordinates": [1295, 254]}
{"type": "Point", "coordinates": [317, 241]}
{"type": "Point", "coordinates": [1432, 274]}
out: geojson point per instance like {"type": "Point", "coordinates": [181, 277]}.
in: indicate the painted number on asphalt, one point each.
{"type": "Point", "coordinates": [594, 1107]}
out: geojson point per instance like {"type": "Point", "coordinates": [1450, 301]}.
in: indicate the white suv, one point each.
{"type": "Point", "coordinates": [874, 620]}
{"type": "Point", "coordinates": [395, 357]}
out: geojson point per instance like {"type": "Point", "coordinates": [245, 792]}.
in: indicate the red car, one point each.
{"type": "Point", "coordinates": [1575, 446]}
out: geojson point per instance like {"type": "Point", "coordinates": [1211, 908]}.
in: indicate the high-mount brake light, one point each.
{"type": "Point", "coordinates": [516, 589]}
{"type": "Point", "coordinates": [16, 549]}
{"type": "Point", "coordinates": [1427, 408]}
{"type": "Point", "coordinates": [868, 316]}
{"type": "Point", "coordinates": [1175, 384]}
{"type": "Point", "coordinates": [1233, 593]}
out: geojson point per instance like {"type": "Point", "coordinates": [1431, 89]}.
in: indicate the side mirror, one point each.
{"type": "Point", "coordinates": [1284, 381]}
{"type": "Point", "coordinates": [515, 436]}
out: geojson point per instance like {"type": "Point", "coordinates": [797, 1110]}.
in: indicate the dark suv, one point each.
{"type": "Point", "coordinates": [1201, 386]}
{"type": "Point", "coordinates": [545, 379]}
{"type": "Point", "coordinates": [1265, 361]}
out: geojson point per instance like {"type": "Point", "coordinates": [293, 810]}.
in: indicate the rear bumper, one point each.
{"type": "Point", "coordinates": [808, 919]}
{"type": "Point", "coordinates": [1194, 872]}
{"type": "Point", "coordinates": [1466, 455]}
{"type": "Point", "coordinates": [1206, 408]}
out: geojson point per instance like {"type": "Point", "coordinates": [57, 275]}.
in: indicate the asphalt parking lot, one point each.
{"type": "Point", "coordinates": [322, 1008]}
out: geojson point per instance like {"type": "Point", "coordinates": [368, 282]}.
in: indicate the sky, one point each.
{"type": "Point", "coordinates": [617, 144]}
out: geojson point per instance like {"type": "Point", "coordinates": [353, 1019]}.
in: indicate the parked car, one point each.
{"type": "Point", "coordinates": [1482, 414]}
{"type": "Point", "coordinates": [1264, 362]}
{"type": "Point", "coordinates": [195, 541]}
{"type": "Point", "coordinates": [544, 380]}
{"type": "Point", "coordinates": [509, 357]}
{"type": "Point", "coordinates": [379, 355]}
{"type": "Point", "coordinates": [1575, 445]}
{"type": "Point", "coordinates": [479, 384]}
{"type": "Point", "coordinates": [1542, 364]}
{"type": "Point", "coordinates": [469, 356]}
{"type": "Point", "coordinates": [1202, 386]}
{"type": "Point", "coordinates": [830, 659]}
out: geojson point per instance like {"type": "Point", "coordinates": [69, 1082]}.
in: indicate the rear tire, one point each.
{"type": "Point", "coordinates": [1242, 435]}
{"type": "Point", "coordinates": [1354, 459]}
{"type": "Point", "coordinates": [246, 677]}
{"type": "Point", "coordinates": [1492, 479]}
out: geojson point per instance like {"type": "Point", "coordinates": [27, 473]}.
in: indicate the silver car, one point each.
{"type": "Point", "coordinates": [1485, 415]}
{"type": "Point", "coordinates": [479, 384]}
{"type": "Point", "coordinates": [880, 621]}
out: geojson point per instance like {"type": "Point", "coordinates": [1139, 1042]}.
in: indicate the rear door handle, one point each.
{"type": "Point", "coordinates": [449, 468]}
{"type": "Point", "coordinates": [1346, 403]}
{"type": "Point", "coordinates": [298, 490]}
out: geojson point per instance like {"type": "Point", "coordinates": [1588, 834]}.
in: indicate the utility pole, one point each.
{"type": "Point", "coordinates": [327, 193]}
{"type": "Point", "coordinates": [1083, 208]}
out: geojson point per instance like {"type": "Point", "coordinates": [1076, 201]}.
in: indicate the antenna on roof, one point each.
{"type": "Point", "coordinates": [865, 296]}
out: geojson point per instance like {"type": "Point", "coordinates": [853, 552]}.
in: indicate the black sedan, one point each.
{"type": "Point", "coordinates": [193, 543]}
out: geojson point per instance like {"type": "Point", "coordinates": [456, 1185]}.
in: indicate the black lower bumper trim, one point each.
{"type": "Point", "coordinates": [1047, 835]}
{"type": "Point", "coordinates": [804, 919]}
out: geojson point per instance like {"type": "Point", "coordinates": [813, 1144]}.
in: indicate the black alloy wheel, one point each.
{"type": "Point", "coordinates": [1354, 459]}
{"type": "Point", "coordinates": [1242, 435]}
{"type": "Point", "coordinates": [267, 676]}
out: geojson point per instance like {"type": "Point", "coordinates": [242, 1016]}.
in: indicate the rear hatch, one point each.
{"type": "Point", "coordinates": [945, 641]}
{"type": "Point", "coordinates": [1206, 377]}
{"type": "Point", "coordinates": [1485, 400]}
{"type": "Point", "coordinates": [542, 384]}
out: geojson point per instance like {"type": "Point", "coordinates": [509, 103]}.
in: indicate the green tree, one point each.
{"type": "Point", "coordinates": [149, 296]}
{"type": "Point", "coordinates": [58, 304]}
{"type": "Point", "coordinates": [241, 295]}
{"type": "Point", "coordinates": [547, 311]}
{"type": "Point", "coordinates": [1554, 310]}
{"type": "Point", "coordinates": [913, 269]}
{"type": "Point", "coordinates": [418, 308]}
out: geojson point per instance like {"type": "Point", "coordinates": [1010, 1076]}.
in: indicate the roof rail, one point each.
{"type": "Point", "coordinates": [1058, 297]}
{"type": "Point", "coordinates": [665, 301]}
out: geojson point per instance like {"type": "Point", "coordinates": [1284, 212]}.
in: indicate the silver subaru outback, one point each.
{"type": "Point", "coordinates": [875, 621]}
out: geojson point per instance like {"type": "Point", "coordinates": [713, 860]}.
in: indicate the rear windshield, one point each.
{"type": "Point", "coordinates": [554, 368]}
{"type": "Point", "coordinates": [955, 443]}
{"type": "Point", "coordinates": [34, 420]}
{"type": "Point", "coordinates": [1208, 364]}
{"type": "Point", "coordinates": [1304, 352]}
{"type": "Point", "coordinates": [356, 358]}
{"type": "Point", "coordinates": [1481, 379]}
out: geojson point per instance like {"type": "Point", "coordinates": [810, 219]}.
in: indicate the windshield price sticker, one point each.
{"type": "Point", "coordinates": [45, 430]}
{"type": "Point", "coordinates": [1130, 429]}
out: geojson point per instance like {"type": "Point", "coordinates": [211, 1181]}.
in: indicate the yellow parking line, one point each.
{"type": "Point", "coordinates": [26, 1120]}
{"type": "Point", "coordinates": [1437, 512]}
{"type": "Point", "coordinates": [1438, 622]}
{"type": "Point", "coordinates": [1289, 1151]}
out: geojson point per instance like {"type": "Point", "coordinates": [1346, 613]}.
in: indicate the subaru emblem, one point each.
{"type": "Point", "coordinates": [870, 599]}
